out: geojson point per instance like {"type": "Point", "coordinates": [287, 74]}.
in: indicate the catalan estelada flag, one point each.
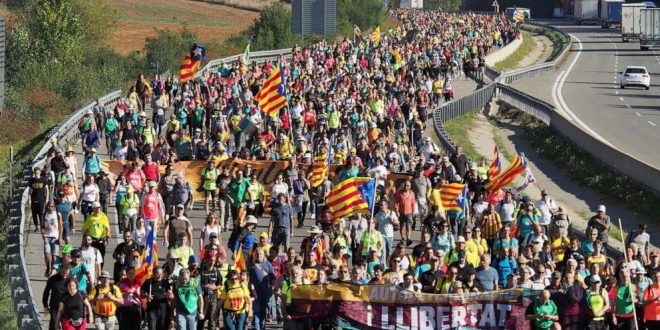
{"type": "Point", "coordinates": [191, 63]}
{"type": "Point", "coordinates": [375, 36]}
{"type": "Point", "coordinates": [517, 166]}
{"type": "Point", "coordinates": [272, 96]}
{"type": "Point", "coordinates": [240, 265]}
{"type": "Point", "coordinates": [149, 258]}
{"type": "Point", "coordinates": [357, 32]}
{"type": "Point", "coordinates": [519, 16]}
{"type": "Point", "coordinates": [450, 195]}
{"type": "Point", "coordinates": [496, 165]}
{"type": "Point", "coordinates": [320, 169]}
{"type": "Point", "coordinates": [351, 196]}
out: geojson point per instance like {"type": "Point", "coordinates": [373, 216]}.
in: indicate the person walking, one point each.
{"type": "Point", "coordinates": [54, 292]}
{"type": "Point", "coordinates": [74, 310]}
{"type": "Point", "coordinates": [157, 291]}
{"type": "Point", "coordinates": [105, 298]}
{"type": "Point", "coordinates": [188, 301]}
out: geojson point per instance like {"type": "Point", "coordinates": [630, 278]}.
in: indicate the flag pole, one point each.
{"type": "Point", "coordinates": [625, 257]}
{"type": "Point", "coordinates": [371, 218]}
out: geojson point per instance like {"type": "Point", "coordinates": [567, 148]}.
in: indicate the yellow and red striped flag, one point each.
{"type": "Point", "coordinates": [191, 62]}
{"type": "Point", "coordinates": [240, 265]}
{"type": "Point", "coordinates": [149, 259]}
{"type": "Point", "coordinates": [375, 36]}
{"type": "Point", "coordinates": [188, 68]}
{"type": "Point", "coordinates": [449, 195]}
{"type": "Point", "coordinates": [517, 166]}
{"type": "Point", "coordinates": [272, 96]}
{"type": "Point", "coordinates": [320, 169]}
{"type": "Point", "coordinates": [351, 196]}
{"type": "Point", "coordinates": [496, 165]}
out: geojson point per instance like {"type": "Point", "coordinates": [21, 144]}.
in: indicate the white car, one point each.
{"type": "Point", "coordinates": [635, 76]}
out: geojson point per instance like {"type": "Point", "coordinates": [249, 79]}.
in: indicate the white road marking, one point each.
{"type": "Point", "coordinates": [638, 114]}
{"type": "Point", "coordinates": [617, 92]}
{"type": "Point", "coordinates": [620, 98]}
{"type": "Point", "coordinates": [561, 104]}
{"type": "Point", "coordinates": [652, 123]}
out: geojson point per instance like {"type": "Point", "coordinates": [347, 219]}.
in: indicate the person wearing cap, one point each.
{"type": "Point", "coordinates": [86, 121]}
{"type": "Point", "coordinates": [105, 298]}
{"type": "Point", "coordinates": [547, 207]}
{"type": "Point", "coordinates": [176, 225]}
{"type": "Point", "coordinates": [598, 303]}
{"type": "Point", "coordinates": [98, 226]}
{"type": "Point", "coordinates": [152, 206]}
{"type": "Point", "coordinates": [38, 194]}
{"type": "Point", "coordinates": [80, 271]}
{"type": "Point", "coordinates": [654, 263]}
{"type": "Point", "coordinates": [601, 221]}
{"type": "Point", "coordinates": [313, 245]}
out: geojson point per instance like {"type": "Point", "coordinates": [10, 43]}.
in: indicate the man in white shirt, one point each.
{"type": "Point", "coordinates": [385, 219]}
{"type": "Point", "coordinates": [506, 209]}
{"type": "Point", "coordinates": [547, 207]}
{"type": "Point", "coordinates": [378, 172]}
{"type": "Point", "coordinates": [92, 257]}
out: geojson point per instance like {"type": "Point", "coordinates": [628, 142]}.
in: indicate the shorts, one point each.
{"type": "Point", "coordinates": [405, 218]}
{"type": "Point", "coordinates": [209, 194]}
{"type": "Point", "coordinates": [51, 246]}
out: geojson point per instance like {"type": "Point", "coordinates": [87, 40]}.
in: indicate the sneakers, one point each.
{"type": "Point", "coordinates": [313, 216]}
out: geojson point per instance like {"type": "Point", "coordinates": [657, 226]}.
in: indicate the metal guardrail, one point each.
{"type": "Point", "coordinates": [541, 68]}
{"type": "Point", "coordinates": [267, 55]}
{"type": "Point", "coordinates": [24, 303]}
{"type": "Point", "coordinates": [477, 100]}
{"type": "Point", "coordinates": [529, 104]}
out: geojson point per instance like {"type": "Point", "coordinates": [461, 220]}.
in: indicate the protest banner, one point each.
{"type": "Point", "coordinates": [266, 171]}
{"type": "Point", "coordinates": [390, 307]}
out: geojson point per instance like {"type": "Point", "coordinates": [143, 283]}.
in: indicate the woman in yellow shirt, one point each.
{"type": "Point", "coordinates": [235, 300]}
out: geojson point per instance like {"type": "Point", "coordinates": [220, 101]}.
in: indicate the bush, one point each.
{"type": "Point", "coordinates": [169, 48]}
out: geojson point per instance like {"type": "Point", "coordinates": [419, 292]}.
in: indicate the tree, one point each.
{"type": "Point", "coordinates": [273, 29]}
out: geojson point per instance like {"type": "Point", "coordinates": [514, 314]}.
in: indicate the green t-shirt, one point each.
{"type": "Point", "coordinates": [111, 125]}
{"type": "Point", "coordinates": [188, 296]}
{"type": "Point", "coordinates": [549, 308]}
{"type": "Point", "coordinates": [623, 299]}
{"type": "Point", "coordinates": [237, 190]}
{"type": "Point", "coordinates": [198, 114]}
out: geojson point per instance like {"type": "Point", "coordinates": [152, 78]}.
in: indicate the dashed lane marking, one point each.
{"type": "Point", "coordinates": [652, 123]}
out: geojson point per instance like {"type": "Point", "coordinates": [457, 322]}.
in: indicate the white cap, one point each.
{"type": "Point", "coordinates": [601, 208]}
{"type": "Point", "coordinates": [251, 219]}
{"type": "Point", "coordinates": [473, 167]}
{"type": "Point", "coordinates": [96, 205]}
{"type": "Point", "coordinates": [460, 239]}
{"type": "Point", "coordinates": [394, 145]}
{"type": "Point", "coordinates": [445, 158]}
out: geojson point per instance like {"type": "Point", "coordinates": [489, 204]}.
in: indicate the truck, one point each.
{"type": "Point", "coordinates": [649, 28]}
{"type": "Point", "coordinates": [586, 12]}
{"type": "Point", "coordinates": [610, 13]}
{"type": "Point", "coordinates": [630, 21]}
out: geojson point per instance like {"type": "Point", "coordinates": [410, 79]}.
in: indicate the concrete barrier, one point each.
{"type": "Point", "coordinates": [503, 52]}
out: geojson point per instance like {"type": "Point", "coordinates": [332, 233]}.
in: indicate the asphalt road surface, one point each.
{"type": "Point", "coordinates": [628, 119]}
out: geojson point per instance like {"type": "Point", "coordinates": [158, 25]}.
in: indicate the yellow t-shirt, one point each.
{"type": "Point", "coordinates": [235, 296]}
{"type": "Point", "coordinates": [105, 307]}
{"type": "Point", "coordinates": [97, 226]}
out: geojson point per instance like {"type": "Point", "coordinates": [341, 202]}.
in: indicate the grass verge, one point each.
{"type": "Point", "coordinates": [7, 317]}
{"type": "Point", "coordinates": [582, 167]}
{"type": "Point", "coordinates": [512, 60]}
{"type": "Point", "coordinates": [457, 129]}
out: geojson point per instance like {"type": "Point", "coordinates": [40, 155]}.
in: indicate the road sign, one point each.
{"type": "Point", "coordinates": [495, 4]}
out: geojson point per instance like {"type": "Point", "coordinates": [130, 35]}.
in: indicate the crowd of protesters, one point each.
{"type": "Point", "coordinates": [355, 100]}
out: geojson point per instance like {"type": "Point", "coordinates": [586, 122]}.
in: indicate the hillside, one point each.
{"type": "Point", "coordinates": [210, 22]}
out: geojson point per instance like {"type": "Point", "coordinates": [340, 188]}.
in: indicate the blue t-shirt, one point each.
{"type": "Point", "coordinates": [504, 266]}
{"type": "Point", "coordinates": [487, 278]}
{"type": "Point", "coordinates": [78, 272]}
{"type": "Point", "coordinates": [260, 276]}
{"type": "Point", "coordinates": [282, 216]}
{"type": "Point", "coordinates": [64, 209]}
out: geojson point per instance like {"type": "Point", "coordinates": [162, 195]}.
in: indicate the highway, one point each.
{"type": "Point", "coordinates": [587, 90]}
